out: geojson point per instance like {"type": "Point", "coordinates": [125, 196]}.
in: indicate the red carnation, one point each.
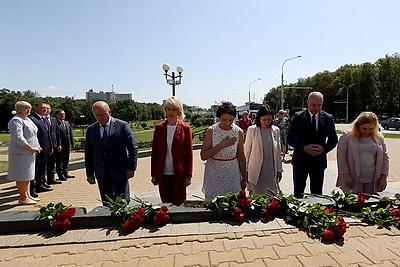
{"type": "Point", "coordinates": [340, 231]}
{"type": "Point", "coordinates": [242, 193]}
{"type": "Point", "coordinates": [237, 210]}
{"type": "Point", "coordinates": [62, 216]}
{"type": "Point", "coordinates": [136, 220]}
{"type": "Point", "coordinates": [164, 208]}
{"type": "Point", "coordinates": [161, 217]}
{"type": "Point", "coordinates": [57, 225]}
{"type": "Point", "coordinates": [140, 212]}
{"type": "Point", "coordinates": [66, 224]}
{"type": "Point", "coordinates": [71, 212]}
{"type": "Point", "coordinates": [267, 213]}
{"type": "Point", "coordinates": [127, 226]}
{"type": "Point", "coordinates": [360, 201]}
{"type": "Point", "coordinates": [328, 235]}
{"type": "Point", "coordinates": [240, 217]}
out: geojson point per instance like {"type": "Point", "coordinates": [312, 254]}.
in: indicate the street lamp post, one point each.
{"type": "Point", "coordinates": [82, 123]}
{"type": "Point", "coordinates": [347, 99]}
{"type": "Point", "coordinates": [175, 80]}
{"type": "Point", "coordinates": [250, 85]}
{"type": "Point", "coordinates": [282, 100]}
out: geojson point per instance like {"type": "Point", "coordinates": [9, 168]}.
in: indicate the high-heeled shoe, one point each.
{"type": "Point", "coordinates": [26, 202]}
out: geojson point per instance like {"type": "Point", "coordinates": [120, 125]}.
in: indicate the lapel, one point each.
{"type": "Point", "coordinates": [354, 148]}
{"type": "Point", "coordinates": [321, 121]}
{"type": "Point", "coordinates": [259, 140]}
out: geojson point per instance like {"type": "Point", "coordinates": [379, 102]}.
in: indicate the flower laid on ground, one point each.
{"type": "Point", "coordinates": [384, 214]}
{"type": "Point", "coordinates": [58, 215]}
{"type": "Point", "coordinates": [134, 217]}
{"type": "Point", "coordinates": [348, 200]}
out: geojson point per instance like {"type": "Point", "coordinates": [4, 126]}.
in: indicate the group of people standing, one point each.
{"type": "Point", "coordinates": [234, 160]}
{"type": "Point", "coordinates": [39, 144]}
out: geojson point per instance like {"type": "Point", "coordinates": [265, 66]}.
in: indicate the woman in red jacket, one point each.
{"type": "Point", "coordinates": [172, 154]}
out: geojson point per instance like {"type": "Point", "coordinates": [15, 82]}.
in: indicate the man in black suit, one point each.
{"type": "Point", "coordinates": [67, 141]}
{"type": "Point", "coordinates": [312, 134]}
{"type": "Point", "coordinates": [39, 184]}
{"type": "Point", "coordinates": [56, 142]}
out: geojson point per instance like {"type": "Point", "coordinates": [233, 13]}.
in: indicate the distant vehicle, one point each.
{"type": "Point", "coordinates": [391, 123]}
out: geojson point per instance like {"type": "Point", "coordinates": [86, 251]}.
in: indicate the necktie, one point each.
{"type": "Point", "coordinates": [314, 123]}
{"type": "Point", "coordinates": [46, 124]}
{"type": "Point", "coordinates": [104, 137]}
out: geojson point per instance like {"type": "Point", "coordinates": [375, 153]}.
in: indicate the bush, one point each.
{"type": "Point", "coordinates": [203, 122]}
{"type": "Point", "coordinates": [143, 124]}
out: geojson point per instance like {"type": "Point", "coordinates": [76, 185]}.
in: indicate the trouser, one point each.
{"type": "Point", "coordinates": [172, 190]}
{"type": "Point", "coordinates": [62, 161]}
{"type": "Point", "coordinates": [40, 171]}
{"type": "Point", "coordinates": [51, 162]}
{"type": "Point", "coordinates": [300, 174]}
{"type": "Point", "coordinates": [112, 188]}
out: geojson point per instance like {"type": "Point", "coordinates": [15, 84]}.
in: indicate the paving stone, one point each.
{"type": "Point", "coordinates": [235, 255]}
{"type": "Point", "coordinates": [117, 256]}
{"type": "Point", "coordinates": [197, 259]}
{"type": "Point", "coordinates": [257, 263]}
{"type": "Point", "coordinates": [318, 260]}
{"type": "Point", "coordinates": [296, 237]}
{"type": "Point", "coordinates": [191, 238]}
{"type": "Point", "coordinates": [351, 244]}
{"type": "Point", "coordinates": [395, 250]}
{"type": "Point", "coordinates": [65, 249]}
{"type": "Point", "coordinates": [165, 261]}
{"type": "Point", "coordinates": [228, 235]}
{"type": "Point", "coordinates": [216, 245]}
{"type": "Point", "coordinates": [383, 241]}
{"type": "Point", "coordinates": [318, 248]}
{"type": "Point", "coordinates": [246, 242]}
{"type": "Point", "coordinates": [185, 228]}
{"type": "Point", "coordinates": [34, 252]}
{"type": "Point", "coordinates": [170, 240]}
{"type": "Point", "coordinates": [377, 256]}
{"type": "Point", "coordinates": [373, 231]}
{"type": "Point", "coordinates": [295, 249]}
{"type": "Point", "coordinates": [185, 249]}
{"type": "Point", "coordinates": [129, 243]}
{"type": "Point", "coordinates": [354, 231]}
{"type": "Point", "coordinates": [289, 261]}
{"type": "Point", "coordinates": [274, 239]}
{"type": "Point", "coordinates": [383, 264]}
{"type": "Point", "coordinates": [252, 234]}
{"type": "Point", "coordinates": [348, 258]}
{"type": "Point", "coordinates": [251, 255]}
{"type": "Point", "coordinates": [149, 252]}
{"type": "Point", "coordinates": [215, 227]}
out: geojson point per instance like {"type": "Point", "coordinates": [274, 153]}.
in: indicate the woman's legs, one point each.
{"type": "Point", "coordinates": [23, 190]}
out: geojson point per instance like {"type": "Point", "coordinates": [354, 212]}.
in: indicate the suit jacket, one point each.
{"type": "Point", "coordinates": [253, 150]}
{"type": "Point", "coordinates": [300, 134]}
{"type": "Point", "coordinates": [348, 160]}
{"type": "Point", "coordinates": [182, 151]}
{"type": "Point", "coordinates": [66, 135]}
{"type": "Point", "coordinates": [54, 132]}
{"type": "Point", "coordinates": [118, 153]}
{"type": "Point", "coordinates": [43, 135]}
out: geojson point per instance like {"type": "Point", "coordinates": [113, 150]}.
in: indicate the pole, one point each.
{"type": "Point", "coordinates": [173, 84]}
{"type": "Point", "coordinates": [250, 85]}
{"type": "Point", "coordinates": [282, 87]}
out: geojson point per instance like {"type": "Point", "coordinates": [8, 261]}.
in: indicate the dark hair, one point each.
{"type": "Point", "coordinates": [226, 107]}
{"type": "Point", "coordinates": [262, 111]}
{"type": "Point", "coordinates": [58, 111]}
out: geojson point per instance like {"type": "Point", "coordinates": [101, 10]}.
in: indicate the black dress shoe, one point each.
{"type": "Point", "coordinates": [43, 189]}
{"type": "Point", "coordinates": [69, 176]}
{"type": "Point", "coordinates": [34, 194]}
{"type": "Point", "coordinates": [62, 178]}
{"type": "Point", "coordinates": [54, 182]}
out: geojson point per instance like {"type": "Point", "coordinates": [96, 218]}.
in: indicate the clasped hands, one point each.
{"type": "Point", "coordinates": [314, 149]}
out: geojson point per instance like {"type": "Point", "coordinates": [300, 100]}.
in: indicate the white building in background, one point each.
{"type": "Point", "coordinates": [110, 96]}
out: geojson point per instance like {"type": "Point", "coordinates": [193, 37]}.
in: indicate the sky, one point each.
{"type": "Point", "coordinates": [64, 48]}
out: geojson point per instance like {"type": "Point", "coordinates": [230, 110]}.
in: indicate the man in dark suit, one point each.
{"type": "Point", "coordinates": [67, 141]}
{"type": "Point", "coordinates": [110, 153]}
{"type": "Point", "coordinates": [312, 134]}
{"type": "Point", "coordinates": [55, 140]}
{"type": "Point", "coordinates": [39, 184]}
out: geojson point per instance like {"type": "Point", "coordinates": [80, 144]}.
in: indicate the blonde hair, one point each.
{"type": "Point", "coordinates": [175, 103]}
{"type": "Point", "coordinates": [22, 104]}
{"type": "Point", "coordinates": [365, 117]}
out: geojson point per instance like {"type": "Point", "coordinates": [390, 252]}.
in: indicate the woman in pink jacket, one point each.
{"type": "Point", "coordinates": [363, 161]}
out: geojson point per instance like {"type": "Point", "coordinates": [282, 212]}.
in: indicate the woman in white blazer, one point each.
{"type": "Point", "coordinates": [262, 149]}
{"type": "Point", "coordinates": [22, 150]}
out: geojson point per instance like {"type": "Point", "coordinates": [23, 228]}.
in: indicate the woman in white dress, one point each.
{"type": "Point", "coordinates": [263, 153]}
{"type": "Point", "coordinates": [22, 152]}
{"type": "Point", "coordinates": [225, 169]}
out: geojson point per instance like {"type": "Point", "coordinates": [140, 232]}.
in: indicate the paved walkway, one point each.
{"type": "Point", "coordinates": [196, 244]}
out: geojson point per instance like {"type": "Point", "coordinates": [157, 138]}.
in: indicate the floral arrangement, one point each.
{"type": "Point", "coordinates": [348, 200]}
{"type": "Point", "coordinates": [134, 217]}
{"type": "Point", "coordinates": [384, 214]}
{"type": "Point", "coordinates": [58, 215]}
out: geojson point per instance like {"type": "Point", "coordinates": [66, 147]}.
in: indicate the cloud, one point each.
{"type": "Point", "coordinates": [52, 88]}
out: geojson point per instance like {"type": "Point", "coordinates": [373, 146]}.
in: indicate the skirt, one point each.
{"type": "Point", "coordinates": [21, 167]}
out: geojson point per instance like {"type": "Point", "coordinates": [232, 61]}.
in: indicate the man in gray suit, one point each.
{"type": "Point", "coordinates": [67, 142]}
{"type": "Point", "coordinates": [110, 153]}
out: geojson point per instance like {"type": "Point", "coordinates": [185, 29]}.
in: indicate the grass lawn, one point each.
{"type": "Point", "coordinates": [3, 166]}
